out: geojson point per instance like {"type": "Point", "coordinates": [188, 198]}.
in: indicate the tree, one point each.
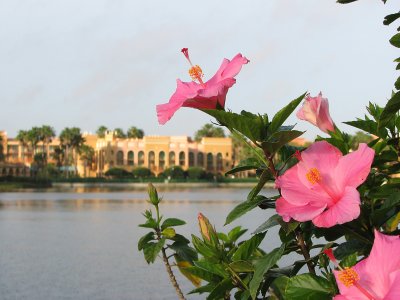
{"type": "Point", "coordinates": [134, 133]}
{"type": "Point", "coordinates": [119, 133]}
{"type": "Point", "coordinates": [208, 130]}
{"type": "Point", "coordinates": [47, 133]}
{"type": "Point", "coordinates": [359, 137]}
{"type": "Point", "coordinates": [101, 131]}
{"type": "Point", "coordinates": [72, 139]}
{"type": "Point", "coordinates": [86, 154]}
{"type": "Point", "coordinates": [1, 148]}
{"type": "Point", "coordinates": [23, 139]}
{"type": "Point", "coordinates": [59, 155]}
{"type": "Point", "coordinates": [33, 137]}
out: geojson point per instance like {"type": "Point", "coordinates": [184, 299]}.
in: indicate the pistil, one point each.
{"type": "Point", "coordinates": [195, 72]}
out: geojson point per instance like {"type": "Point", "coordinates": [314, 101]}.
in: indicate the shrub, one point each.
{"type": "Point", "coordinates": [117, 173]}
{"type": "Point", "coordinates": [142, 172]}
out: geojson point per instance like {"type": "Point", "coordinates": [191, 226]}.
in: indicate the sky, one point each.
{"type": "Point", "coordinates": [110, 62]}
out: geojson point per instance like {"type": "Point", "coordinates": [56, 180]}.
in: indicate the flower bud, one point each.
{"type": "Point", "coordinates": [153, 195]}
{"type": "Point", "coordinates": [203, 222]}
{"type": "Point", "coordinates": [169, 232]}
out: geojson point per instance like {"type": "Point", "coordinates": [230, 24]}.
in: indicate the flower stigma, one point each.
{"type": "Point", "coordinates": [313, 176]}
{"type": "Point", "coordinates": [195, 72]}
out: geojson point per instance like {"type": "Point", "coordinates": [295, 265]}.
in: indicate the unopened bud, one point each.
{"type": "Point", "coordinates": [203, 222]}
{"type": "Point", "coordinates": [153, 195]}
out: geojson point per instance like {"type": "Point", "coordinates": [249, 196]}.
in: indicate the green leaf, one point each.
{"type": "Point", "coordinates": [236, 233]}
{"type": "Point", "coordinates": [279, 139]}
{"type": "Point", "coordinates": [309, 287]}
{"type": "Point", "coordinates": [216, 269]}
{"type": "Point", "coordinates": [150, 223]}
{"type": "Point", "coordinates": [345, 1]}
{"type": "Point", "coordinates": [348, 248]}
{"type": "Point", "coordinates": [244, 207]}
{"type": "Point", "coordinates": [262, 266]}
{"type": "Point", "coordinates": [145, 239]}
{"type": "Point", "coordinates": [246, 249]}
{"type": "Point", "coordinates": [203, 289]}
{"type": "Point", "coordinates": [391, 18]}
{"type": "Point", "coordinates": [241, 266]}
{"type": "Point", "coordinates": [281, 116]}
{"type": "Point", "coordinates": [265, 176]}
{"type": "Point", "coordinates": [221, 289]}
{"type": "Point", "coordinates": [151, 250]}
{"type": "Point", "coordinates": [248, 124]}
{"type": "Point", "coordinates": [271, 222]}
{"type": "Point", "coordinates": [390, 208]}
{"type": "Point", "coordinates": [203, 274]}
{"type": "Point", "coordinates": [390, 110]}
{"type": "Point", "coordinates": [170, 222]}
{"type": "Point", "coordinates": [349, 260]}
{"type": "Point", "coordinates": [184, 251]}
{"type": "Point", "coordinates": [395, 40]}
{"type": "Point", "coordinates": [203, 248]}
{"type": "Point", "coordinates": [278, 286]}
{"type": "Point", "coordinates": [244, 165]}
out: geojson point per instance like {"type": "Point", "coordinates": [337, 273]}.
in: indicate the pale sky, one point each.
{"type": "Point", "coordinates": [98, 62]}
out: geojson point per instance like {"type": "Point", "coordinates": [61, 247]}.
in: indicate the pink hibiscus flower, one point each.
{"type": "Point", "coordinates": [322, 186]}
{"type": "Point", "coordinates": [202, 95]}
{"type": "Point", "coordinates": [316, 111]}
{"type": "Point", "coordinates": [377, 277]}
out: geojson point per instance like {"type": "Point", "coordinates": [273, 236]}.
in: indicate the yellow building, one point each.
{"type": "Point", "coordinates": [154, 152]}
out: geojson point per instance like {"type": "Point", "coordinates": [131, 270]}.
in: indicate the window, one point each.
{"type": "Point", "coordinates": [191, 159]}
{"type": "Point", "coordinates": [172, 158]}
{"type": "Point", "coordinates": [161, 160]}
{"type": "Point", "coordinates": [141, 158]}
{"type": "Point", "coordinates": [210, 162]}
{"type": "Point", "coordinates": [152, 159]}
{"type": "Point", "coordinates": [131, 156]}
{"type": "Point", "coordinates": [120, 158]}
{"type": "Point", "coordinates": [182, 158]}
{"type": "Point", "coordinates": [219, 162]}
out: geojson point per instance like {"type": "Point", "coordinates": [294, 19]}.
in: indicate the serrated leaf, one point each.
{"type": "Point", "coordinates": [203, 274]}
{"type": "Point", "coordinates": [348, 248]}
{"type": "Point", "coordinates": [221, 289]}
{"type": "Point", "coordinates": [145, 239]}
{"type": "Point", "coordinates": [170, 222]}
{"type": "Point", "coordinates": [309, 287]}
{"type": "Point", "coordinates": [246, 249]}
{"type": "Point", "coordinates": [243, 208]}
{"type": "Point", "coordinates": [245, 165]}
{"type": "Point", "coordinates": [278, 286]}
{"type": "Point", "coordinates": [184, 251]}
{"type": "Point", "coordinates": [203, 289]}
{"type": "Point", "coordinates": [281, 116]}
{"type": "Point", "coordinates": [271, 222]}
{"type": "Point", "coordinates": [395, 40]}
{"type": "Point", "coordinates": [279, 139]}
{"type": "Point", "coordinates": [152, 249]}
{"type": "Point", "coordinates": [150, 223]}
{"type": "Point", "coordinates": [390, 110]}
{"type": "Point", "coordinates": [262, 266]}
{"type": "Point", "coordinates": [203, 248]}
{"type": "Point", "coordinates": [236, 233]}
{"type": "Point", "coordinates": [216, 269]}
{"type": "Point", "coordinates": [241, 266]}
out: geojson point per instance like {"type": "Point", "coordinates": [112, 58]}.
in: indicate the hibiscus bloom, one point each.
{"type": "Point", "coordinates": [202, 95]}
{"type": "Point", "coordinates": [376, 277]}
{"type": "Point", "coordinates": [322, 186]}
{"type": "Point", "coordinates": [316, 111]}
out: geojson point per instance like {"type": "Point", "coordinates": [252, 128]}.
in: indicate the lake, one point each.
{"type": "Point", "coordinates": [81, 243]}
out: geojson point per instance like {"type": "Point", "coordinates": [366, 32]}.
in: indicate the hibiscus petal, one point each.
{"type": "Point", "coordinates": [353, 168]}
{"type": "Point", "coordinates": [295, 192]}
{"type": "Point", "coordinates": [184, 91]}
{"type": "Point", "coordinates": [324, 120]}
{"type": "Point", "coordinates": [345, 210]}
{"type": "Point", "coordinates": [299, 213]}
{"type": "Point", "coordinates": [394, 291]}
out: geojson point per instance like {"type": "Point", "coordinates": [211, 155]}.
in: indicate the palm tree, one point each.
{"type": "Point", "coordinates": [72, 139]}
{"type": "Point", "coordinates": [208, 130]}
{"type": "Point", "coordinates": [86, 154]}
{"type": "Point", "coordinates": [23, 139]}
{"type": "Point", "coordinates": [1, 148]}
{"type": "Point", "coordinates": [134, 132]}
{"type": "Point", "coordinates": [101, 131]}
{"type": "Point", "coordinates": [119, 133]}
{"type": "Point", "coordinates": [59, 155]}
{"type": "Point", "coordinates": [47, 133]}
{"type": "Point", "coordinates": [33, 136]}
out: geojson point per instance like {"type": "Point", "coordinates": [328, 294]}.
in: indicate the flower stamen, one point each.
{"type": "Point", "coordinates": [349, 277]}
{"type": "Point", "coordinates": [195, 72]}
{"type": "Point", "coordinates": [313, 176]}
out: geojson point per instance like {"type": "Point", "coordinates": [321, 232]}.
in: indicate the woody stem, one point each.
{"type": "Point", "coordinates": [304, 250]}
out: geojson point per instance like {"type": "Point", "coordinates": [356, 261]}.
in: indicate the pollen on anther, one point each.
{"type": "Point", "coordinates": [313, 176]}
{"type": "Point", "coordinates": [348, 277]}
{"type": "Point", "coordinates": [196, 73]}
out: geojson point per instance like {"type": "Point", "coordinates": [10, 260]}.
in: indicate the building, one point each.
{"type": "Point", "coordinates": [154, 152]}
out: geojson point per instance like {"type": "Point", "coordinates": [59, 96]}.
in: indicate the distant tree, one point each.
{"type": "Point", "coordinates": [359, 137]}
{"type": "Point", "coordinates": [72, 139]}
{"type": "Point", "coordinates": [1, 148]}
{"type": "Point", "coordinates": [134, 132]}
{"type": "Point", "coordinates": [101, 131]}
{"type": "Point", "coordinates": [208, 130]}
{"type": "Point", "coordinates": [34, 135]}
{"type": "Point", "coordinates": [46, 133]}
{"type": "Point", "coordinates": [59, 155]}
{"type": "Point", "coordinates": [86, 154]}
{"type": "Point", "coordinates": [119, 133]}
{"type": "Point", "coordinates": [175, 172]}
{"type": "Point", "coordinates": [23, 139]}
